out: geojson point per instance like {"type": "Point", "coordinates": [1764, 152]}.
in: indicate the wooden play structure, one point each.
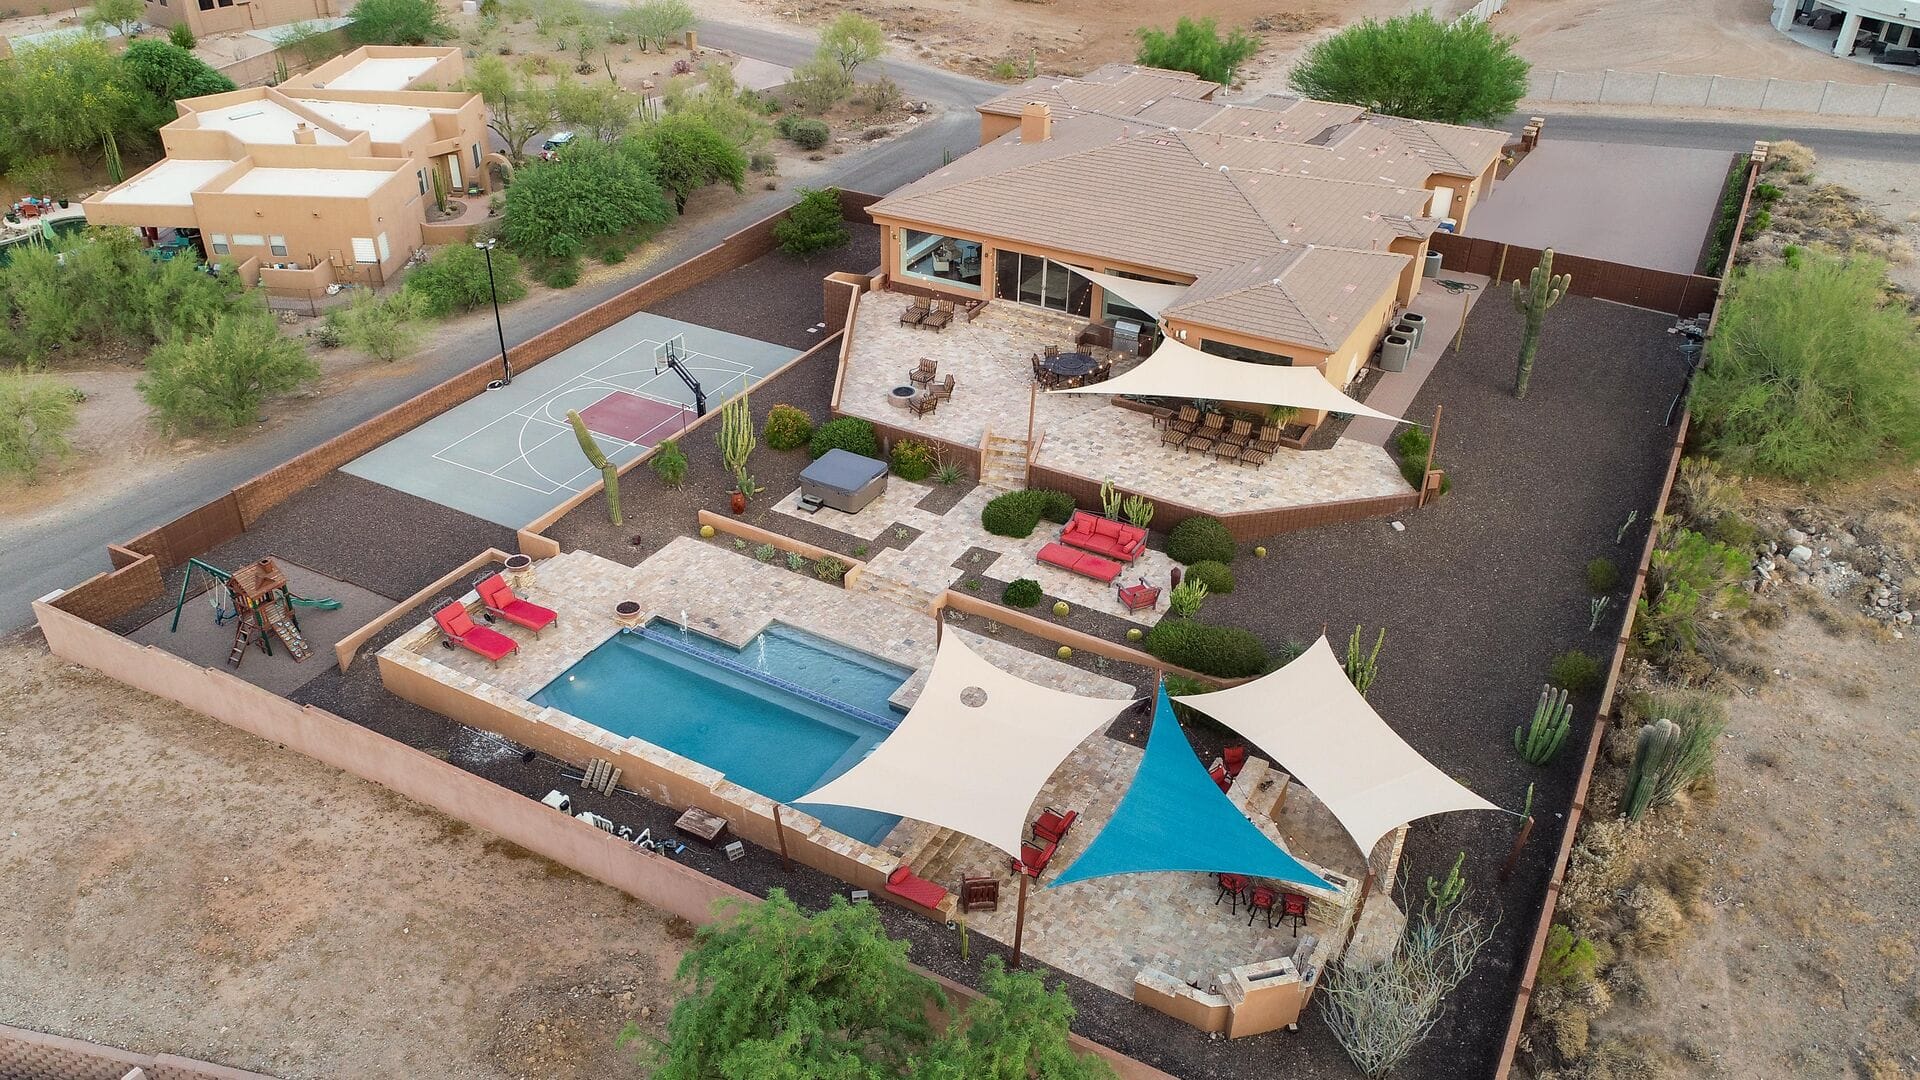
{"type": "Point", "coordinates": [257, 599]}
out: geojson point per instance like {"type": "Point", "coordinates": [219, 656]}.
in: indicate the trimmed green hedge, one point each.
{"type": "Point", "coordinates": [849, 433]}
{"type": "Point", "coordinates": [788, 427]}
{"type": "Point", "coordinates": [1201, 539]}
{"type": "Point", "coordinates": [1217, 576]}
{"type": "Point", "coordinates": [1226, 652]}
{"type": "Point", "coordinates": [1023, 593]}
{"type": "Point", "coordinates": [1017, 513]}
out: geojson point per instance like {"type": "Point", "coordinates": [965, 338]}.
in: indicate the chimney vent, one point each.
{"type": "Point", "coordinates": [302, 134]}
{"type": "Point", "coordinates": [1036, 122]}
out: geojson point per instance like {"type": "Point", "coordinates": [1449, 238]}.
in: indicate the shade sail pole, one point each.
{"type": "Point", "coordinates": [780, 834]}
{"type": "Point", "coordinates": [1020, 917]}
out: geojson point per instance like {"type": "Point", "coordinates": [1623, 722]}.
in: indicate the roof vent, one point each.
{"type": "Point", "coordinates": [302, 134]}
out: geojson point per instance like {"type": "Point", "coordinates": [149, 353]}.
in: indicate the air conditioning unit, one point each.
{"type": "Point", "coordinates": [1394, 352]}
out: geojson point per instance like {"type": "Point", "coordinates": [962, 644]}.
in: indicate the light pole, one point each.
{"type": "Point", "coordinates": [506, 369]}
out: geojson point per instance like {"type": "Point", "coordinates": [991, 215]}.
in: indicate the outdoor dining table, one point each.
{"type": "Point", "coordinates": [1070, 365]}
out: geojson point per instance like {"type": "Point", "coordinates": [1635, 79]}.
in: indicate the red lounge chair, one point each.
{"type": "Point", "coordinates": [501, 602]}
{"type": "Point", "coordinates": [1104, 536]}
{"type": "Point", "coordinates": [1033, 860]}
{"type": "Point", "coordinates": [903, 883]}
{"type": "Point", "coordinates": [1079, 562]}
{"type": "Point", "coordinates": [1235, 758]}
{"type": "Point", "coordinates": [458, 626]}
{"type": "Point", "coordinates": [1053, 824]}
{"type": "Point", "coordinates": [1219, 774]}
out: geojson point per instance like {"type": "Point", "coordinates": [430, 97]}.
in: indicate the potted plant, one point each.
{"type": "Point", "coordinates": [627, 613]}
{"type": "Point", "coordinates": [737, 501]}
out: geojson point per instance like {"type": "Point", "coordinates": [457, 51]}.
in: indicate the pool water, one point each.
{"type": "Point", "coordinates": [660, 686]}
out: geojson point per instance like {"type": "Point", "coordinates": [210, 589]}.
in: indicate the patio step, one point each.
{"type": "Point", "coordinates": [1003, 462]}
{"type": "Point", "coordinates": [898, 592]}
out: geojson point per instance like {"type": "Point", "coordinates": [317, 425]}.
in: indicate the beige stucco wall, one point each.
{"type": "Point", "coordinates": [239, 15]}
{"type": "Point", "coordinates": [992, 126]}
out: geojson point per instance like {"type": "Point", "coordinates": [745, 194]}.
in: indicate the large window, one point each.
{"type": "Point", "coordinates": [940, 258]}
{"type": "Point", "coordinates": [1251, 356]}
{"type": "Point", "coordinates": [1030, 279]}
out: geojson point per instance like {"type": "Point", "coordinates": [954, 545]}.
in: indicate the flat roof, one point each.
{"type": "Point", "coordinates": [311, 183]}
{"type": "Point", "coordinates": [262, 120]}
{"type": "Point", "coordinates": [386, 123]}
{"type": "Point", "coordinates": [170, 183]}
{"type": "Point", "coordinates": [383, 73]}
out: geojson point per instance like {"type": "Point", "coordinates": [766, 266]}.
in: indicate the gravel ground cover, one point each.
{"type": "Point", "coordinates": [775, 297]}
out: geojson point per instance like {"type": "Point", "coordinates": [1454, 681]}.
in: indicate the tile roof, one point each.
{"type": "Point", "coordinates": [1306, 294]}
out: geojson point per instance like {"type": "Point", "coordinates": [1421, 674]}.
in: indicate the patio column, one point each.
{"type": "Point", "coordinates": [1849, 29]}
{"type": "Point", "coordinates": [1783, 14]}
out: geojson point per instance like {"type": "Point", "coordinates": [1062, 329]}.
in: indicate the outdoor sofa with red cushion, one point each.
{"type": "Point", "coordinates": [1104, 536]}
{"type": "Point", "coordinates": [500, 601]}
{"type": "Point", "coordinates": [1080, 562]}
{"type": "Point", "coordinates": [459, 628]}
{"type": "Point", "coordinates": [902, 882]}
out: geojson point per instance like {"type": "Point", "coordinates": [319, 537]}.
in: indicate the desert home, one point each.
{"type": "Point", "coordinates": [326, 178]}
{"type": "Point", "coordinates": [205, 17]}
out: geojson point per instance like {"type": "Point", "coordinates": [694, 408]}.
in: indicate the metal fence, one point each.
{"type": "Point", "coordinates": [1892, 100]}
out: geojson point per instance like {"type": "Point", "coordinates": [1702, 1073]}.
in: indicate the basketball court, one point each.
{"type": "Point", "coordinates": [510, 455]}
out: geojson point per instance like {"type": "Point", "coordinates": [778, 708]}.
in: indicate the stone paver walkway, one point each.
{"type": "Point", "coordinates": [1395, 391]}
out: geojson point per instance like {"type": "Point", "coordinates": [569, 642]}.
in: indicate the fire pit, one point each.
{"type": "Point", "coordinates": [901, 395]}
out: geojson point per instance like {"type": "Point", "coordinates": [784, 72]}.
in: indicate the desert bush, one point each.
{"type": "Point", "coordinates": [1014, 514]}
{"type": "Point", "coordinates": [670, 462]}
{"type": "Point", "coordinates": [1706, 495]}
{"type": "Point", "coordinates": [1056, 506]}
{"type": "Point", "coordinates": [765, 553]}
{"type": "Point", "coordinates": [1201, 539]}
{"type": "Point", "coordinates": [171, 72]}
{"type": "Point", "coordinates": [1416, 66]}
{"type": "Point", "coordinates": [819, 85]}
{"type": "Point", "coordinates": [788, 427]}
{"type": "Point", "coordinates": [804, 133]}
{"type": "Point", "coordinates": [1602, 575]}
{"type": "Point", "coordinates": [1569, 961]}
{"type": "Point", "coordinates": [1023, 593]}
{"type": "Point", "coordinates": [1576, 671]}
{"type": "Point", "coordinates": [219, 379]}
{"type": "Point", "coordinates": [562, 273]}
{"type": "Point", "coordinates": [181, 34]}
{"type": "Point", "coordinates": [1225, 652]}
{"type": "Point", "coordinates": [384, 327]}
{"type": "Point", "coordinates": [1195, 45]}
{"type": "Point", "coordinates": [1812, 374]}
{"type": "Point", "coordinates": [1690, 579]}
{"type": "Point", "coordinates": [397, 22]}
{"type": "Point", "coordinates": [813, 225]}
{"type": "Point", "coordinates": [913, 460]}
{"type": "Point", "coordinates": [590, 191]}
{"type": "Point", "coordinates": [849, 433]}
{"type": "Point", "coordinates": [830, 569]}
{"type": "Point", "coordinates": [1216, 576]}
{"type": "Point", "coordinates": [455, 280]}
{"type": "Point", "coordinates": [35, 417]}
{"type": "Point", "coordinates": [1412, 445]}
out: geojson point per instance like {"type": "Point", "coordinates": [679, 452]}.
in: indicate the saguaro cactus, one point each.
{"type": "Point", "coordinates": [609, 472]}
{"type": "Point", "coordinates": [1539, 741]}
{"type": "Point", "coordinates": [1542, 291]}
{"type": "Point", "coordinates": [737, 441]}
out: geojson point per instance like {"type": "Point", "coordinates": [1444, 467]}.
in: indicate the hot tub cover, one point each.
{"type": "Point", "coordinates": [843, 471]}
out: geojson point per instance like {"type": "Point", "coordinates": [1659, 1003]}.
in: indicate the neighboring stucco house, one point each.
{"type": "Point", "coordinates": [1299, 226]}
{"type": "Point", "coordinates": [205, 17]}
{"type": "Point", "coordinates": [330, 174]}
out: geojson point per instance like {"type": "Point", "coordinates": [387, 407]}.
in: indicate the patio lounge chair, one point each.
{"type": "Point", "coordinates": [1215, 425]}
{"type": "Point", "coordinates": [916, 312]}
{"type": "Point", "coordinates": [1242, 432]}
{"type": "Point", "coordinates": [1188, 419]}
{"type": "Point", "coordinates": [1269, 439]}
{"type": "Point", "coordinates": [459, 629]}
{"type": "Point", "coordinates": [1226, 450]}
{"type": "Point", "coordinates": [1053, 825]}
{"type": "Point", "coordinates": [1104, 536]}
{"type": "Point", "coordinates": [1198, 444]}
{"type": "Point", "coordinates": [1254, 456]}
{"type": "Point", "coordinates": [941, 391]}
{"type": "Point", "coordinates": [1084, 563]}
{"type": "Point", "coordinates": [940, 316]}
{"type": "Point", "coordinates": [1034, 858]}
{"type": "Point", "coordinates": [502, 603]}
{"type": "Point", "coordinates": [921, 406]}
{"type": "Point", "coordinates": [1170, 436]}
{"type": "Point", "coordinates": [904, 883]}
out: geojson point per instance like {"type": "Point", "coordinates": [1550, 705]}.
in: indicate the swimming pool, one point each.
{"type": "Point", "coordinates": [781, 716]}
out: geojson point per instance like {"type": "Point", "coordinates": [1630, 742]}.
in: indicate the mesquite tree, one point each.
{"type": "Point", "coordinates": [1542, 291]}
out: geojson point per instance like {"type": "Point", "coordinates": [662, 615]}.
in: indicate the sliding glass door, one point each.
{"type": "Point", "coordinates": [1030, 279]}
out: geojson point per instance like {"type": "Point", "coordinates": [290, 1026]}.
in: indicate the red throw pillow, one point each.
{"type": "Point", "coordinates": [899, 874]}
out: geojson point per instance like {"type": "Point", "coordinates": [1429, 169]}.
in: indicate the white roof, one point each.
{"type": "Point", "coordinates": [311, 183]}
{"type": "Point", "coordinates": [383, 73]}
{"type": "Point", "coordinates": [973, 752]}
{"type": "Point", "coordinates": [386, 123]}
{"type": "Point", "coordinates": [1182, 371]}
{"type": "Point", "coordinates": [262, 121]}
{"type": "Point", "coordinates": [1308, 717]}
{"type": "Point", "coordinates": [170, 183]}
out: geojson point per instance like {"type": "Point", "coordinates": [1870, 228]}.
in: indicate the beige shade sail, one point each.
{"type": "Point", "coordinates": [1311, 720]}
{"type": "Point", "coordinates": [973, 752]}
{"type": "Point", "coordinates": [1177, 370]}
{"type": "Point", "coordinates": [1152, 297]}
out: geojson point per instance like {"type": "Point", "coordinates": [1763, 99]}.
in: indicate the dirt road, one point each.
{"type": "Point", "coordinates": [173, 885]}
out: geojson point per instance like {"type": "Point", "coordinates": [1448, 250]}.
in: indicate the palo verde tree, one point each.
{"type": "Point", "coordinates": [589, 192]}
{"type": "Point", "coordinates": [1195, 45]}
{"type": "Point", "coordinates": [397, 22]}
{"type": "Point", "coordinates": [1418, 67]}
{"type": "Point", "coordinates": [689, 154]}
{"type": "Point", "coordinates": [122, 15]}
{"type": "Point", "coordinates": [815, 224]}
{"type": "Point", "coordinates": [517, 109]}
{"type": "Point", "coordinates": [35, 416]}
{"type": "Point", "coordinates": [654, 23]}
{"type": "Point", "coordinates": [170, 72]}
{"type": "Point", "coordinates": [852, 39]}
{"type": "Point", "coordinates": [1542, 291]}
{"type": "Point", "coordinates": [70, 97]}
{"type": "Point", "coordinates": [219, 379]}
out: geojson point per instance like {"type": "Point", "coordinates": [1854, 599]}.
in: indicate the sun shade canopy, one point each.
{"type": "Point", "coordinates": [973, 752]}
{"type": "Point", "coordinates": [1175, 818]}
{"type": "Point", "coordinates": [1181, 371]}
{"type": "Point", "coordinates": [1308, 717]}
{"type": "Point", "coordinates": [1152, 297]}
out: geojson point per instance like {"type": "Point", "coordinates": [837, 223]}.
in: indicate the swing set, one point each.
{"type": "Point", "coordinates": [257, 600]}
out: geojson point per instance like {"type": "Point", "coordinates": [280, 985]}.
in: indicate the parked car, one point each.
{"type": "Point", "coordinates": [552, 147]}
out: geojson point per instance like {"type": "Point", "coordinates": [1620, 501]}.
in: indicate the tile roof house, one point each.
{"type": "Point", "coordinates": [1299, 226]}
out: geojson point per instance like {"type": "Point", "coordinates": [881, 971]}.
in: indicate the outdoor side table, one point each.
{"type": "Point", "coordinates": [702, 825]}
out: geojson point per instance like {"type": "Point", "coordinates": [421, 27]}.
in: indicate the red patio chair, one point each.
{"type": "Point", "coordinates": [1053, 824]}
{"type": "Point", "coordinates": [1219, 774]}
{"type": "Point", "coordinates": [1034, 858]}
{"type": "Point", "coordinates": [1261, 900]}
{"type": "Point", "coordinates": [459, 629]}
{"type": "Point", "coordinates": [501, 602]}
{"type": "Point", "coordinates": [1232, 887]}
{"type": "Point", "coordinates": [1293, 908]}
{"type": "Point", "coordinates": [1235, 759]}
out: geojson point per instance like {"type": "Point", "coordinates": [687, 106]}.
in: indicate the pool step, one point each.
{"type": "Point", "coordinates": [940, 862]}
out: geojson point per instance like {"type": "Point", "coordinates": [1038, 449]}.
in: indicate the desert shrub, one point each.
{"type": "Point", "coordinates": [385, 327]}
{"type": "Point", "coordinates": [397, 22]}
{"type": "Point", "coordinates": [849, 433]}
{"type": "Point", "coordinates": [669, 462]}
{"type": "Point", "coordinates": [765, 552]}
{"type": "Point", "coordinates": [1576, 671]}
{"type": "Point", "coordinates": [762, 162]}
{"type": "Point", "coordinates": [1690, 579]}
{"type": "Point", "coordinates": [1602, 575]}
{"type": "Point", "coordinates": [171, 72]}
{"type": "Point", "coordinates": [913, 460]}
{"type": "Point", "coordinates": [819, 85]}
{"type": "Point", "coordinates": [1416, 66]}
{"type": "Point", "coordinates": [1056, 506]}
{"type": "Point", "coordinates": [806, 134]}
{"type": "Point", "coordinates": [1200, 539]}
{"type": "Point", "coordinates": [1216, 576]}
{"type": "Point", "coordinates": [690, 152]}
{"type": "Point", "coordinates": [218, 379]}
{"type": "Point", "coordinates": [788, 427]}
{"type": "Point", "coordinates": [1812, 374]}
{"type": "Point", "coordinates": [830, 569]}
{"type": "Point", "coordinates": [1412, 445]}
{"type": "Point", "coordinates": [35, 417]}
{"type": "Point", "coordinates": [1226, 652]}
{"type": "Point", "coordinates": [1014, 513]}
{"type": "Point", "coordinates": [1569, 961]}
{"type": "Point", "coordinates": [561, 274]}
{"type": "Point", "coordinates": [1023, 593]}
{"type": "Point", "coordinates": [1705, 493]}
{"type": "Point", "coordinates": [813, 225]}
{"type": "Point", "coordinates": [455, 280]}
{"type": "Point", "coordinates": [181, 34]}
{"type": "Point", "coordinates": [1196, 46]}
{"type": "Point", "coordinates": [590, 191]}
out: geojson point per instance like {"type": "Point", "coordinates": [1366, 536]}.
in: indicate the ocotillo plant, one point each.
{"type": "Point", "coordinates": [737, 441]}
{"type": "Point", "coordinates": [1542, 291]}
{"type": "Point", "coordinates": [609, 472]}
{"type": "Point", "coordinates": [1138, 511]}
{"type": "Point", "coordinates": [1364, 667]}
{"type": "Point", "coordinates": [1109, 500]}
{"type": "Point", "coordinates": [1539, 741]}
